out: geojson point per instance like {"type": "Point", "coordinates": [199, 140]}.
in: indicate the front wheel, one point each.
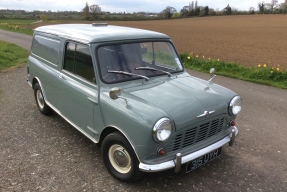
{"type": "Point", "coordinates": [120, 158]}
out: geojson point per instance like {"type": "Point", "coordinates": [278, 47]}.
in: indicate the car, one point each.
{"type": "Point", "coordinates": [128, 90]}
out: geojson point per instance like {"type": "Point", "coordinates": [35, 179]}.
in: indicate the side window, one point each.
{"type": "Point", "coordinates": [46, 48]}
{"type": "Point", "coordinates": [78, 61]}
{"type": "Point", "coordinates": [83, 63]}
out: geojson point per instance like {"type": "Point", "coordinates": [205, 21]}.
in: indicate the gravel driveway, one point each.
{"type": "Point", "coordinates": [44, 153]}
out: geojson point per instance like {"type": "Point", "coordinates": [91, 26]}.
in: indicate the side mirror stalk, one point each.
{"type": "Point", "coordinates": [212, 75]}
{"type": "Point", "coordinates": [115, 93]}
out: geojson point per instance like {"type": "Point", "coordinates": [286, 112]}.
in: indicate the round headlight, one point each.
{"type": "Point", "coordinates": [235, 105]}
{"type": "Point", "coordinates": [162, 130]}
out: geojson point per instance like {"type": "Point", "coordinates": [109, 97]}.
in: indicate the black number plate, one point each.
{"type": "Point", "coordinates": [190, 166]}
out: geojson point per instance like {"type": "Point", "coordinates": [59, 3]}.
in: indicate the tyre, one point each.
{"type": "Point", "coordinates": [120, 158]}
{"type": "Point", "coordinates": [40, 101]}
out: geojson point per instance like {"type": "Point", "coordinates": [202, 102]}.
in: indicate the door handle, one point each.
{"type": "Point", "coordinates": [61, 76]}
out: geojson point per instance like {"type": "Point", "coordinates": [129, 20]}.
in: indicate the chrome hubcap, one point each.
{"type": "Point", "coordinates": [121, 158]}
{"type": "Point", "coordinates": [40, 99]}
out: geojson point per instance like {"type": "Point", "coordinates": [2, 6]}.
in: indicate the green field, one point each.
{"type": "Point", "coordinates": [11, 55]}
{"type": "Point", "coordinates": [17, 22]}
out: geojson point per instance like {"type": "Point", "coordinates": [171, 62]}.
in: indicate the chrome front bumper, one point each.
{"type": "Point", "coordinates": [179, 159]}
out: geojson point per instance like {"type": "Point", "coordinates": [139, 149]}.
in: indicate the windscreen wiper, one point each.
{"type": "Point", "coordinates": [153, 69]}
{"type": "Point", "coordinates": [129, 74]}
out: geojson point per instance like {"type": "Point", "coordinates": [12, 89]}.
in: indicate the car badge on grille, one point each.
{"type": "Point", "coordinates": [206, 114]}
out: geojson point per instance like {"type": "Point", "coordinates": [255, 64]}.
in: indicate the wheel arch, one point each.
{"type": "Point", "coordinates": [111, 129]}
{"type": "Point", "coordinates": [34, 81]}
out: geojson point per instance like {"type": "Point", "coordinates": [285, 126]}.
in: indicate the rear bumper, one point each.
{"type": "Point", "coordinates": [179, 159]}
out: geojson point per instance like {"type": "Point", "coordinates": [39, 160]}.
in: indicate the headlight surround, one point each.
{"type": "Point", "coordinates": [235, 105]}
{"type": "Point", "coordinates": [162, 130]}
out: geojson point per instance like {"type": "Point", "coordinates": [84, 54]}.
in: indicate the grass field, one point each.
{"type": "Point", "coordinates": [17, 22]}
{"type": "Point", "coordinates": [11, 55]}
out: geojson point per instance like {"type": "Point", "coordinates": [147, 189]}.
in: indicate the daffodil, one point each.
{"type": "Point", "coordinates": [203, 56]}
{"type": "Point", "coordinates": [264, 65]}
{"type": "Point", "coordinates": [218, 60]}
{"type": "Point", "coordinates": [271, 71]}
{"type": "Point", "coordinates": [209, 58]}
{"type": "Point", "coordinates": [278, 69]}
{"type": "Point", "coordinates": [196, 56]}
{"type": "Point", "coordinates": [188, 57]}
{"type": "Point", "coordinates": [259, 65]}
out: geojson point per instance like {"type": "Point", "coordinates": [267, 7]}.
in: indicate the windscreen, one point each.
{"type": "Point", "coordinates": [123, 62]}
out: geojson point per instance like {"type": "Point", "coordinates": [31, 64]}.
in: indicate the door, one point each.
{"type": "Point", "coordinates": [79, 91]}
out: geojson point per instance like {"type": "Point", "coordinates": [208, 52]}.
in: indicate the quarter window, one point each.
{"type": "Point", "coordinates": [78, 61]}
{"type": "Point", "coordinates": [46, 48]}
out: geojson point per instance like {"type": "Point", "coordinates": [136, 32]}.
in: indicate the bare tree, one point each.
{"type": "Point", "coordinates": [95, 10]}
{"type": "Point", "coordinates": [273, 4]}
{"type": "Point", "coordinates": [252, 10]}
{"type": "Point", "coordinates": [86, 12]}
{"type": "Point", "coordinates": [184, 10]}
{"type": "Point", "coordinates": [191, 6]}
{"type": "Point", "coordinates": [169, 11]}
{"type": "Point", "coordinates": [283, 7]}
{"type": "Point", "coordinates": [261, 7]}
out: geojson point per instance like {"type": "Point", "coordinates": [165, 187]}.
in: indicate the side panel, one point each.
{"type": "Point", "coordinates": [43, 64]}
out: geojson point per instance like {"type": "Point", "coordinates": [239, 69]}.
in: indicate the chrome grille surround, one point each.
{"type": "Point", "coordinates": [192, 135]}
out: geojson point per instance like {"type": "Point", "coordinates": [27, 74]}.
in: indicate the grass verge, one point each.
{"type": "Point", "coordinates": [16, 28]}
{"type": "Point", "coordinates": [264, 74]}
{"type": "Point", "coordinates": [11, 56]}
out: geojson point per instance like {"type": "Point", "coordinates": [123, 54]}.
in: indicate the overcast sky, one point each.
{"type": "Point", "coordinates": [128, 6]}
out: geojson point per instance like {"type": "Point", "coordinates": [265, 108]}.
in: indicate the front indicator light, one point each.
{"type": "Point", "coordinates": [232, 123]}
{"type": "Point", "coordinates": [161, 152]}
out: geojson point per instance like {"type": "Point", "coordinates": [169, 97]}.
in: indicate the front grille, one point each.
{"type": "Point", "coordinates": [197, 134]}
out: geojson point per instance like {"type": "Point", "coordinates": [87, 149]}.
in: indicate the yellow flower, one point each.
{"type": "Point", "coordinates": [196, 56]}
{"type": "Point", "coordinates": [278, 69]}
{"type": "Point", "coordinates": [271, 71]}
{"type": "Point", "coordinates": [259, 65]}
{"type": "Point", "coordinates": [209, 58]}
{"type": "Point", "coordinates": [203, 56]}
{"type": "Point", "coordinates": [218, 60]}
{"type": "Point", "coordinates": [264, 65]}
{"type": "Point", "coordinates": [188, 57]}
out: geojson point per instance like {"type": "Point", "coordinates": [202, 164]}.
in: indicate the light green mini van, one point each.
{"type": "Point", "coordinates": [127, 89]}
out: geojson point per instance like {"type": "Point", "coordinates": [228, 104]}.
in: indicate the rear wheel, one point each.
{"type": "Point", "coordinates": [120, 158]}
{"type": "Point", "coordinates": [40, 101]}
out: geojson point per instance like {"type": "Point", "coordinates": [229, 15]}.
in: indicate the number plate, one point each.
{"type": "Point", "coordinates": [190, 166]}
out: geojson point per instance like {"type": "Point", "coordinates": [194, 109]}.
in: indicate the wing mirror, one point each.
{"type": "Point", "coordinates": [115, 93]}
{"type": "Point", "coordinates": [212, 74]}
